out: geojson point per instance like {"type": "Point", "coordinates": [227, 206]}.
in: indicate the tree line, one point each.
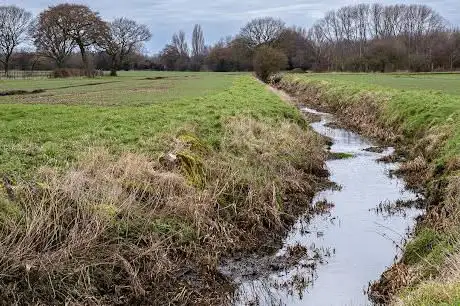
{"type": "Point", "coordinates": [60, 30]}
{"type": "Point", "coordinates": [386, 38]}
{"type": "Point", "coordinates": [360, 37]}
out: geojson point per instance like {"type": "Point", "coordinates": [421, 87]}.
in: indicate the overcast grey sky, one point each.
{"type": "Point", "coordinates": [220, 18]}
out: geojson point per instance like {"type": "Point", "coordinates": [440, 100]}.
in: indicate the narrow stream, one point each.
{"type": "Point", "coordinates": [352, 244]}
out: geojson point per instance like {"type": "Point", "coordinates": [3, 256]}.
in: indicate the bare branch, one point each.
{"type": "Point", "coordinates": [14, 23]}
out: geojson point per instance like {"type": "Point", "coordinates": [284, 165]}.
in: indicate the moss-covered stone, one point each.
{"type": "Point", "coordinates": [195, 143]}
{"type": "Point", "coordinates": [193, 168]}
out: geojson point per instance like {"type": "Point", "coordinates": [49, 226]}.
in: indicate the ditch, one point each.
{"type": "Point", "coordinates": [356, 233]}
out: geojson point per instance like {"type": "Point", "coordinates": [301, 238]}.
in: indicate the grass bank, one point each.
{"type": "Point", "coordinates": [420, 114]}
{"type": "Point", "coordinates": [133, 199]}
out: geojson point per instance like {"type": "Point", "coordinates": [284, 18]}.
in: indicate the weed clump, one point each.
{"type": "Point", "coordinates": [340, 155]}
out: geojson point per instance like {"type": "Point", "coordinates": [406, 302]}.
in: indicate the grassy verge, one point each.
{"type": "Point", "coordinates": [136, 203]}
{"type": "Point", "coordinates": [424, 123]}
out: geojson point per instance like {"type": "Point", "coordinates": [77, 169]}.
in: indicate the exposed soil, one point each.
{"type": "Point", "coordinates": [334, 125]}
{"type": "Point", "coordinates": [377, 149]}
{"type": "Point", "coordinates": [392, 158]}
{"type": "Point", "coordinates": [255, 266]}
{"type": "Point", "coordinates": [87, 84]}
{"type": "Point", "coordinates": [155, 78]}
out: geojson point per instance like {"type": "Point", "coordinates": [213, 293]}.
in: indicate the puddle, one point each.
{"type": "Point", "coordinates": [349, 245]}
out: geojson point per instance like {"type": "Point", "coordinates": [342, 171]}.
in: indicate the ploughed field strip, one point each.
{"type": "Point", "coordinates": [419, 114]}
{"type": "Point", "coordinates": [129, 190]}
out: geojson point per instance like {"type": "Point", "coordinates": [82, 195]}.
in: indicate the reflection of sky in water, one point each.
{"type": "Point", "coordinates": [362, 243]}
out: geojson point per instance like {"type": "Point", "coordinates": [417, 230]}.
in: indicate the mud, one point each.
{"type": "Point", "coordinates": [376, 149]}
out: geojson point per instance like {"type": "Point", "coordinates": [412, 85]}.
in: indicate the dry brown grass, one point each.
{"type": "Point", "coordinates": [132, 230]}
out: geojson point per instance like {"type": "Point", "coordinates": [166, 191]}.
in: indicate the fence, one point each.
{"type": "Point", "coordinates": [24, 74]}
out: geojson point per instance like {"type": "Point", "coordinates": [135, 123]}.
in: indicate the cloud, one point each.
{"type": "Point", "coordinates": [221, 18]}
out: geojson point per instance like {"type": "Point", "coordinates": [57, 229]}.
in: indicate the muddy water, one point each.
{"type": "Point", "coordinates": [347, 247]}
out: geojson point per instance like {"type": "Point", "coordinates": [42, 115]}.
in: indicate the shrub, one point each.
{"type": "Point", "coordinates": [267, 61]}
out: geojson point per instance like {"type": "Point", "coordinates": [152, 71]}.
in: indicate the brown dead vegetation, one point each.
{"type": "Point", "coordinates": [132, 230]}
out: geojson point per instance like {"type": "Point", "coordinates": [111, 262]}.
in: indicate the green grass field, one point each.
{"type": "Point", "coordinates": [443, 82]}
{"type": "Point", "coordinates": [124, 113]}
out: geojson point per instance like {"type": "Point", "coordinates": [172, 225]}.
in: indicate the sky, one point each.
{"type": "Point", "coordinates": [220, 18]}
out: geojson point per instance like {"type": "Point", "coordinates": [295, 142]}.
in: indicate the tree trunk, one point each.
{"type": "Point", "coordinates": [114, 68]}
{"type": "Point", "coordinates": [7, 65]}
{"type": "Point", "coordinates": [59, 63]}
{"type": "Point", "coordinates": [84, 57]}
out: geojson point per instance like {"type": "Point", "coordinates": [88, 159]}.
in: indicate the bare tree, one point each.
{"type": "Point", "coordinates": [169, 57]}
{"type": "Point", "coordinates": [175, 56]}
{"type": "Point", "coordinates": [262, 31]}
{"type": "Point", "coordinates": [14, 23]}
{"type": "Point", "coordinates": [180, 43]}
{"type": "Point", "coordinates": [123, 37]}
{"type": "Point", "coordinates": [345, 35]}
{"type": "Point", "coordinates": [198, 46]}
{"type": "Point", "coordinates": [82, 25]}
{"type": "Point", "coordinates": [297, 46]}
{"type": "Point", "coordinates": [51, 40]}
{"type": "Point", "coordinates": [454, 48]}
